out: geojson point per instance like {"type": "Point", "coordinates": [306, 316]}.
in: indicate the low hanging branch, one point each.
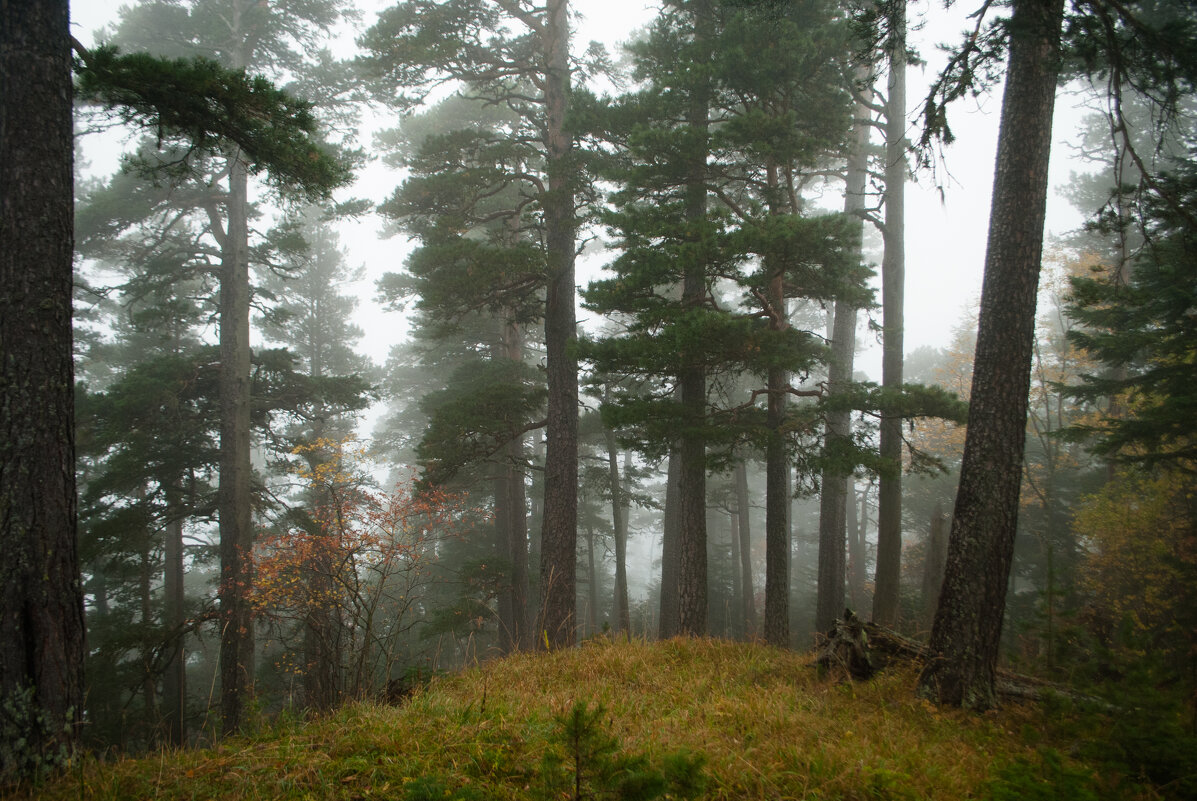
{"type": "Point", "coordinates": [212, 106]}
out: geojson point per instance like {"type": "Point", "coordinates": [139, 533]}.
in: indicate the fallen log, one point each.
{"type": "Point", "coordinates": [1008, 685]}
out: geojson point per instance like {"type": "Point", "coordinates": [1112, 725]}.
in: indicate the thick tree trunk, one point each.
{"type": "Point", "coordinates": [968, 623]}
{"type": "Point", "coordinates": [559, 533]}
{"type": "Point", "coordinates": [692, 514]}
{"type": "Point", "coordinates": [668, 622]}
{"type": "Point", "coordinates": [833, 501]}
{"type": "Point", "coordinates": [41, 600]}
{"type": "Point", "coordinates": [743, 515]}
{"type": "Point", "coordinates": [234, 501]}
{"type": "Point", "coordinates": [886, 598]}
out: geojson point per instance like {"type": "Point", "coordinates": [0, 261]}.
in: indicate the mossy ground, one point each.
{"type": "Point", "coordinates": [767, 725]}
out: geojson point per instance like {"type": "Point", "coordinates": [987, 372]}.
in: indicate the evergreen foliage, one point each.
{"type": "Point", "coordinates": [210, 106]}
{"type": "Point", "coordinates": [1142, 332]}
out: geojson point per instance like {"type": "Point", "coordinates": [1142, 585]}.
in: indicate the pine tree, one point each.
{"type": "Point", "coordinates": [735, 119]}
{"type": "Point", "coordinates": [515, 54]}
{"type": "Point", "coordinates": [478, 276]}
{"type": "Point", "coordinates": [1152, 51]}
{"type": "Point", "coordinates": [241, 35]}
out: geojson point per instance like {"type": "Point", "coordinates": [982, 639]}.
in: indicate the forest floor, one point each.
{"type": "Point", "coordinates": [690, 718]}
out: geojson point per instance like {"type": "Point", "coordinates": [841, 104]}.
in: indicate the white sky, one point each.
{"type": "Point", "coordinates": [945, 238]}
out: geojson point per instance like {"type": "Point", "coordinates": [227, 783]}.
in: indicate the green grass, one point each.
{"type": "Point", "coordinates": [767, 726]}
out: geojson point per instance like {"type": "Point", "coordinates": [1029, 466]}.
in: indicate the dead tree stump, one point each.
{"type": "Point", "coordinates": [846, 648]}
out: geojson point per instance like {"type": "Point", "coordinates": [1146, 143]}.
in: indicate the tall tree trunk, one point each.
{"type": "Point", "coordinates": [692, 382]}
{"type": "Point", "coordinates": [508, 631]}
{"type": "Point", "coordinates": [592, 593]}
{"type": "Point", "coordinates": [149, 679]}
{"type": "Point", "coordinates": [41, 598]}
{"type": "Point", "coordinates": [322, 632]}
{"type": "Point", "coordinates": [736, 607]}
{"type": "Point", "coordinates": [668, 623]}
{"type": "Point", "coordinates": [233, 496]}
{"type": "Point", "coordinates": [886, 598]}
{"type": "Point", "coordinates": [833, 502]}
{"type": "Point", "coordinates": [619, 525]}
{"type": "Point", "coordinates": [857, 524]}
{"type": "Point", "coordinates": [511, 519]}
{"type": "Point", "coordinates": [174, 677]}
{"type": "Point", "coordinates": [743, 514]}
{"type": "Point", "coordinates": [933, 563]}
{"type": "Point", "coordinates": [517, 543]}
{"type": "Point", "coordinates": [968, 622]}
{"type": "Point", "coordinates": [559, 533]}
{"type": "Point", "coordinates": [777, 468]}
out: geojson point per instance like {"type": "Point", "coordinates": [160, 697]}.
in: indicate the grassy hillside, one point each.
{"type": "Point", "coordinates": [759, 722]}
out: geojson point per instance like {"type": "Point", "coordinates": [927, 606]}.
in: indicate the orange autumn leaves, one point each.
{"type": "Point", "coordinates": [353, 553]}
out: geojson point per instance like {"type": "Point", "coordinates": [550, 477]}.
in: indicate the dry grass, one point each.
{"type": "Point", "coordinates": [767, 725]}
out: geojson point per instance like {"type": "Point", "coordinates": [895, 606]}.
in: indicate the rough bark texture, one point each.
{"type": "Point", "coordinates": [692, 526]}
{"type": "Point", "coordinates": [893, 278]}
{"type": "Point", "coordinates": [968, 622]}
{"type": "Point", "coordinates": [559, 532]}
{"type": "Point", "coordinates": [777, 499]}
{"type": "Point", "coordinates": [41, 605]}
{"type": "Point", "coordinates": [233, 496]}
{"type": "Point", "coordinates": [833, 501]}
{"type": "Point", "coordinates": [692, 383]}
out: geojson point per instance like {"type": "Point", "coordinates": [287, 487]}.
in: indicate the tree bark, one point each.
{"type": "Point", "coordinates": [886, 598]}
{"type": "Point", "coordinates": [233, 495]}
{"type": "Point", "coordinates": [968, 621]}
{"type": "Point", "coordinates": [619, 525]}
{"type": "Point", "coordinates": [692, 383]}
{"type": "Point", "coordinates": [592, 593]}
{"type": "Point", "coordinates": [41, 599]}
{"type": "Point", "coordinates": [743, 514]}
{"type": "Point", "coordinates": [833, 501]}
{"type": "Point", "coordinates": [174, 678]}
{"type": "Point", "coordinates": [777, 497]}
{"type": "Point", "coordinates": [559, 532]}
{"type": "Point", "coordinates": [857, 524]}
{"type": "Point", "coordinates": [668, 622]}
{"type": "Point", "coordinates": [933, 565]}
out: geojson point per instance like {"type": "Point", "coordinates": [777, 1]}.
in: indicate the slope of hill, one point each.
{"type": "Point", "coordinates": [682, 718]}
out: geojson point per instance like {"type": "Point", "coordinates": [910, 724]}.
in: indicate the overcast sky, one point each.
{"type": "Point", "coordinates": [945, 235]}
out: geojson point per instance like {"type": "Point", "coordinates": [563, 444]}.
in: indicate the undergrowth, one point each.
{"type": "Point", "coordinates": [677, 719]}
